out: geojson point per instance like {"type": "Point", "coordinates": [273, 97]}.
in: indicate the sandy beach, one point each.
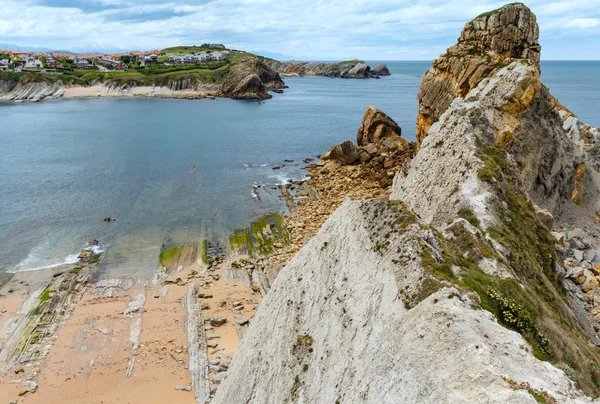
{"type": "Point", "coordinates": [142, 91]}
{"type": "Point", "coordinates": [122, 340]}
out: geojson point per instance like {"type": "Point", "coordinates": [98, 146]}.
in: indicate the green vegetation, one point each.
{"type": "Point", "coordinates": [534, 304]}
{"type": "Point", "coordinates": [261, 237]}
{"type": "Point", "coordinates": [540, 396]}
{"type": "Point", "coordinates": [46, 295]}
{"type": "Point", "coordinates": [94, 259]}
{"type": "Point", "coordinates": [182, 50]}
{"type": "Point", "coordinates": [169, 256]}
{"type": "Point", "coordinates": [158, 74]}
{"type": "Point", "coordinates": [489, 13]}
{"type": "Point", "coordinates": [204, 251]}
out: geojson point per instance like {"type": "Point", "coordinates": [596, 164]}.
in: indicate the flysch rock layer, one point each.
{"type": "Point", "coordinates": [333, 328]}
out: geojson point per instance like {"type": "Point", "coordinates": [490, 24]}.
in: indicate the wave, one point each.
{"type": "Point", "coordinates": [24, 266]}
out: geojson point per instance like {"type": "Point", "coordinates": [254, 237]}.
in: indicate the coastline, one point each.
{"type": "Point", "coordinates": [120, 325]}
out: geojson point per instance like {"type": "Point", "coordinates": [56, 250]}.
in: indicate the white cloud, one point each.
{"type": "Point", "coordinates": [370, 29]}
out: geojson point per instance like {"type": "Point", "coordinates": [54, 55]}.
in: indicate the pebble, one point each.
{"type": "Point", "coordinates": [183, 388]}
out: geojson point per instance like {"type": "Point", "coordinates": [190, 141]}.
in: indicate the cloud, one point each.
{"type": "Point", "coordinates": [334, 29]}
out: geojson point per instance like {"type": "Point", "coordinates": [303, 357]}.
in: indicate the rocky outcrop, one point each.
{"type": "Point", "coordinates": [250, 80]}
{"type": "Point", "coordinates": [380, 151]}
{"type": "Point", "coordinates": [353, 69]}
{"type": "Point", "coordinates": [376, 125]}
{"type": "Point", "coordinates": [345, 153]}
{"type": "Point", "coordinates": [381, 69]}
{"type": "Point", "coordinates": [32, 91]}
{"type": "Point", "coordinates": [486, 44]}
{"type": "Point", "coordinates": [6, 86]}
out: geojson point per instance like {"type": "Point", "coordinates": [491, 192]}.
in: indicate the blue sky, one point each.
{"type": "Point", "coordinates": [321, 29]}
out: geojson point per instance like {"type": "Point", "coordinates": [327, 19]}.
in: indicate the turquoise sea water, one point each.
{"type": "Point", "coordinates": [67, 164]}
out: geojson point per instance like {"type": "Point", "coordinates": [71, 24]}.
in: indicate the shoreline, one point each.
{"type": "Point", "coordinates": [120, 324]}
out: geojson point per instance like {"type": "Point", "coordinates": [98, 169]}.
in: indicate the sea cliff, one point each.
{"type": "Point", "coordinates": [475, 281]}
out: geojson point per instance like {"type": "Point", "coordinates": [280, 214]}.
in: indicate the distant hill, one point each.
{"type": "Point", "coordinates": [5, 46]}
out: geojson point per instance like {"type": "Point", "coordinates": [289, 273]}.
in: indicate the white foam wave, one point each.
{"type": "Point", "coordinates": [32, 258]}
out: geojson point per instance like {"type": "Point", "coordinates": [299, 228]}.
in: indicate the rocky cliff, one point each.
{"type": "Point", "coordinates": [486, 44]}
{"type": "Point", "coordinates": [251, 80]}
{"type": "Point", "coordinates": [247, 77]}
{"type": "Point", "coordinates": [353, 69]}
{"type": "Point", "coordinates": [475, 282]}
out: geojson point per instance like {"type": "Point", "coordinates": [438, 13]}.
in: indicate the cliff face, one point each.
{"type": "Point", "coordinates": [353, 69]}
{"type": "Point", "coordinates": [485, 45]}
{"type": "Point", "coordinates": [370, 309]}
{"type": "Point", "coordinates": [32, 91]}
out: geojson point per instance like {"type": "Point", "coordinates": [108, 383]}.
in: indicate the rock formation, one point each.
{"type": "Point", "coordinates": [250, 80]}
{"type": "Point", "coordinates": [381, 69]}
{"type": "Point", "coordinates": [489, 42]}
{"type": "Point", "coordinates": [344, 153]}
{"type": "Point", "coordinates": [384, 304]}
{"type": "Point", "coordinates": [380, 151]}
{"type": "Point", "coordinates": [377, 125]}
{"type": "Point", "coordinates": [353, 69]}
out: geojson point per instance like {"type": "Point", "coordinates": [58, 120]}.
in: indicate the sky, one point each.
{"type": "Point", "coordinates": [308, 29]}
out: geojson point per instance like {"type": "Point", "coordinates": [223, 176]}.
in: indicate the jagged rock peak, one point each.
{"type": "Point", "coordinates": [486, 44]}
{"type": "Point", "coordinates": [510, 31]}
{"type": "Point", "coordinates": [376, 125]}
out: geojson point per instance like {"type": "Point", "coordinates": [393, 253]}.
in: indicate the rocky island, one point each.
{"type": "Point", "coordinates": [353, 69]}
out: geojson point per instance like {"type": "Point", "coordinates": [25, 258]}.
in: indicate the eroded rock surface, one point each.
{"type": "Point", "coordinates": [377, 125]}
{"type": "Point", "coordinates": [356, 340]}
{"type": "Point", "coordinates": [381, 69]}
{"type": "Point", "coordinates": [486, 44]}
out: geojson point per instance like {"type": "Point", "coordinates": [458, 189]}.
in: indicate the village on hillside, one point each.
{"type": "Point", "coordinates": [53, 62]}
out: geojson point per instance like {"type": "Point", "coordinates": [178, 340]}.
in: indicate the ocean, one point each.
{"type": "Point", "coordinates": [179, 171]}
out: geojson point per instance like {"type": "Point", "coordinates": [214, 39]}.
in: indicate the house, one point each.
{"type": "Point", "coordinates": [32, 65]}
{"type": "Point", "coordinates": [55, 64]}
{"type": "Point", "coordinates": [149, 59]}
{"type": "Point", "coordinates": [203, 57]}
{"type": "Point", "coordinates": [4, 64]}
{"type": "Point", "coordinates": [83, 64]}
{"type": "Point", "coordinates": [115, 64]}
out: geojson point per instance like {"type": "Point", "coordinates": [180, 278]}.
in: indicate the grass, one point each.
{"type": "Point", "coordinates": [489, 13]}
{"type": "Point", "coordinates": [183, 50]}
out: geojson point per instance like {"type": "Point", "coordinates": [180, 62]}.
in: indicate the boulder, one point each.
{"type": "Point", "coordinates": [381, 69]}
{"type": "Point", "coordinates": [486, 44]}
{"type": "Point", "coordinates": [217, 321]}
{"type": "Point", "coordinates": [345, 153]}
{"type": "Point", "coordinates": [377, 125]}
{"type": "Point", "coordinates": [360, 71]}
